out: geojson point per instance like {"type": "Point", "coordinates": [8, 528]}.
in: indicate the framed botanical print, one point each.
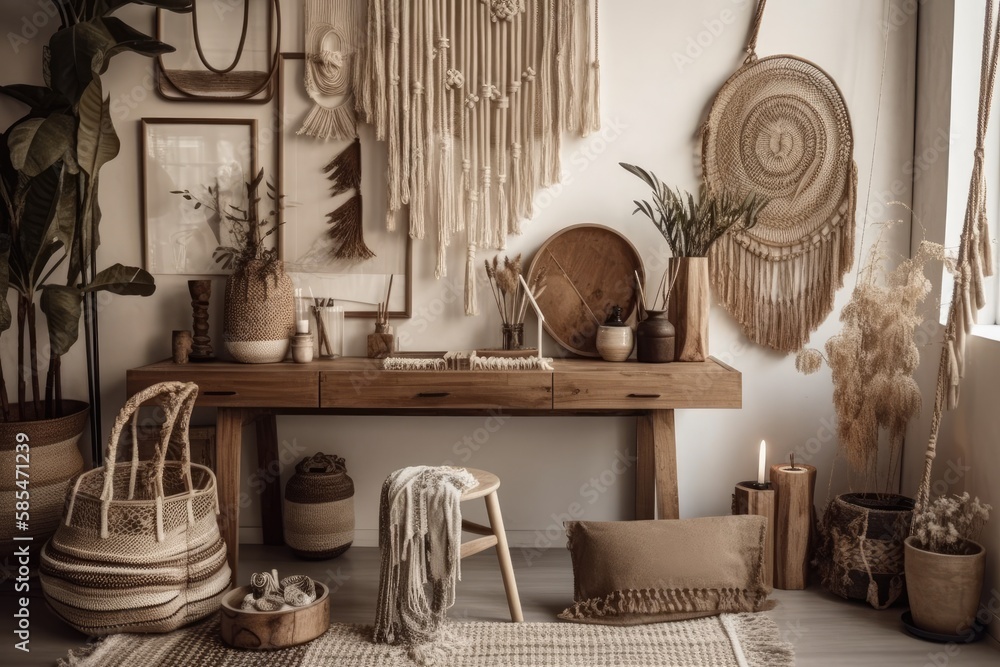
{"type": "Point", "coordinates": [208, 159]}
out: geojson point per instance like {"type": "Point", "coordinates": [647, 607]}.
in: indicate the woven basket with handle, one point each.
{"type": "Point", "coordinates": [139, 547]}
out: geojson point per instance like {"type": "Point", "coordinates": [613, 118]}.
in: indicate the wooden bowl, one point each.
{"type": "Point", "coordinates": [268, 630]}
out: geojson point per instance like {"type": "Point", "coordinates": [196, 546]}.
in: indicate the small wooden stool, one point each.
{"type": "Point", "coordinates": [495, 536]}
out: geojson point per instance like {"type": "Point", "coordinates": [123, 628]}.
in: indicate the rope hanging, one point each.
{"type": "Point", "coordinates": [779, 128]}
{"type": "Point", "coordinates": [974, 262]}
{"type": "Point", "coordinates": [472, 97]}
{"type": "Point", "coordinates": [333, 36]}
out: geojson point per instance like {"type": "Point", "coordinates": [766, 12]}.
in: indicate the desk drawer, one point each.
{"type": "Point", "coordinates": [645, 390]}
{"type": "Point", "coordinates": [428, 389]}
{"type": "Point", "coordinates": [269, 386]}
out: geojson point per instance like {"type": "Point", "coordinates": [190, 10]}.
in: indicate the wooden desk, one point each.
{"type": "Point", "coordinates": [244, 393]}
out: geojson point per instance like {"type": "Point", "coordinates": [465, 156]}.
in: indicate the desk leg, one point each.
{"type": "Point", "coordinates": [656, 467]}
{"type": "Point", "coordinates": [228, 444]}
{"type": "Point", "coordinates": [270, 465]}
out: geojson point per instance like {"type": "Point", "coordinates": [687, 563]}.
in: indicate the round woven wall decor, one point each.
{"type": "Point", "coordinates": [779, 128]}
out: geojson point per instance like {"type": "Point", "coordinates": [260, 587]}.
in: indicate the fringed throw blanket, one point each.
{"type": "Point", "coordinates": [472, 98]}
{"type": "Point", "coordinates": [420, 535]}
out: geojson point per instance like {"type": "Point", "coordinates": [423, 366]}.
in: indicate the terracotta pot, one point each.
{"type": "Point", "coordinates": [51, 448]}
{"type": "Point", "coordinates": [655, 338]}
{"type": "Point", "coordinates": [689, 307]}
{"type": "Point", "coordinates": [944, 589]}
{"type": "Point", "coordinates": [259, 315]}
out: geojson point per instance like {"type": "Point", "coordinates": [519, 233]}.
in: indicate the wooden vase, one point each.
{"type": "Point", "coordinates": [793, 489]}
{"type": "Point", "coordinates": [944, 589]}
{"type": "Point", "coordinates": [689, 306]}
{"type": "Point", "coordinates": [259, 314]}
{"type": "Point", "coordinates": [759, 502]}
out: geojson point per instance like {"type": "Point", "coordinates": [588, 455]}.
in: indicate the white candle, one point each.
{"type": "Point", "coordinates": [301, 326]}
{"type": "Point", "coordinates": [762, 463]}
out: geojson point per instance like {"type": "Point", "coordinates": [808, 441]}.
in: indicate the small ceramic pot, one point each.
{"type": "Point", "coordinates": [655, 336]}
{"type": "Point", "coordinates": [302, 348]}
{"type": "Point", "coordinates": [614, 338]}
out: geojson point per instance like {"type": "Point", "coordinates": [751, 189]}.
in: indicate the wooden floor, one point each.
{"type": "Point", "coordinates": [825, 630]}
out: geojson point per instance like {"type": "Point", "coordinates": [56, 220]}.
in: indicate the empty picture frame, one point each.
{"type": "Point", "coordinates": [213, 60]}
{"type": "Point", "coordinates": [358, 286]}
{"type": "Point", "coordinates": [192, 154]}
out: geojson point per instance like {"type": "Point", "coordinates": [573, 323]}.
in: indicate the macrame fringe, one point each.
{"type": "Point", "coordinates": [347, 231]}
{"type": "Point", "coordinates": [667, 601]}
{"type": "Point", "coordinates": [338, 123]}
{"type": "Point", "coordinates": [471, 290]}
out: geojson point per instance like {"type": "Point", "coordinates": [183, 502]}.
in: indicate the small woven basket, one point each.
{"type": "Point", "coordinates": [319, 508]}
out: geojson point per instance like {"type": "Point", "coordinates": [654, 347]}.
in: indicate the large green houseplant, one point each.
{"type": "Point", "coordinates": [50, 163]}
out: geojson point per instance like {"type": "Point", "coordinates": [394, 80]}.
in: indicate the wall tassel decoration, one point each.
{"type": "Point", "coordinates": [472, 97]}
{"type": "Point", "coordinates": [347, 222]}
{"type": "Point", "coordinates": [779, 128]}
{"type": "Point", "coordinates": [333, 31]}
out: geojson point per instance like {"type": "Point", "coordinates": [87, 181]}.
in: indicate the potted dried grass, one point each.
{"type": "Point", "coordinates": [872, 359]}
{"type": "Point", "coordinates": [690, 229]}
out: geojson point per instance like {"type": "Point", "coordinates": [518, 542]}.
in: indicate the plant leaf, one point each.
{"type": "Point", "coordinates": [63, 307]}
{"type": "Point", "coordinates": [42, 99]}
{"type": "Point", "coordinates": [105, 7]}
{"type": "Point", "coordinates": [5, 316]}
{"type": "Point", "coordinates": [38, 143]}
{"type": "Point", "coordinates": [125, 280]}
{"type": "Point", "coordinates": [97, 142]}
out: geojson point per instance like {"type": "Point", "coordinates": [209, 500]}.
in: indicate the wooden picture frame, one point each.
{"type": "Point", "coordinates": [305, 205]}
{"type": "Point", "coordinates": [180, 74]}
{"type": "Point", "coordinates": [179, 235]}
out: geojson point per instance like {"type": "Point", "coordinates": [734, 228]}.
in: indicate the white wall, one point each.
{"type": "Point", "coordinates": [662, 61]}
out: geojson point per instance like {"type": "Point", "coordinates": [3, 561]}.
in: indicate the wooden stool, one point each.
{"type": "Point", "coordinates": [495, 536]}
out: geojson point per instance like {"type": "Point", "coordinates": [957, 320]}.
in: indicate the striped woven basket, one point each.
{"type": "Point", "coordinates": [139, 547]}
{"type": "Point", "coordinates": [319, 508]}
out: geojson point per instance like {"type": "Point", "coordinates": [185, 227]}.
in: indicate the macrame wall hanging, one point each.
{"type": "Point", "coordinates": [974, 263]}
{"type": "Point", "coordinates": [346, 221]}
{"type": "Point", "coordinates": [243, 75]}
{"type": "Point", "coordinates": [333, 37]}
{"type": "Point", "coordinates": [779, 128]}
{"type": "Point", "coordinates": [472, 97]}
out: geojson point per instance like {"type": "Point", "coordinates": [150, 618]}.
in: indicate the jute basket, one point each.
{"type": "Point", "coordinates": [319, 508]}
{"type": "Point", "coordinates": [49, 450]}
{"type": "Point", "coordinates": [139, 549]}
{"type": "Point", "coordinates": [860, 551]}
{"type": "Point", "coordinates": [259, 314]}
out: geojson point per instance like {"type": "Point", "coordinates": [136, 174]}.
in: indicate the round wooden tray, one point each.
{"type": "Point", "coordinates": [268, 630]}
{"type": "Point", "coordinates": [590, 269]}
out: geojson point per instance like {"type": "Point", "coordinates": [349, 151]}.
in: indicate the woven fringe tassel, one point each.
{"type": "Point", "coordinates": [338, 123]}
{"type": "Point", "coordinates": [592, 100]}
{"type": "Point", "coordinates": [503, 212]}
{"type": "Point", "coordinates": [517, 190]}
{"type": "Point", "coordinates": [347, 230]}
{"type": "Point", "coordinates": [446, 197]}
{"type": "Point", "coordinates": [471, 290]}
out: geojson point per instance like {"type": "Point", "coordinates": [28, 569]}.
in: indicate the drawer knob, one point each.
{"type": "Point", "coordinates": [643, 395]}
{"type": "Point", "coordinates": [433, 394]}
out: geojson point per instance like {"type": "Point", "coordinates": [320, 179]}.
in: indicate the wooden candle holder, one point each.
{"type": "Point", "coordinates": [794, 490]}
{"type": "Point", "coordinates": [759, 502]}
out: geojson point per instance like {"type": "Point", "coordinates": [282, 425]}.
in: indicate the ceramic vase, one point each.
{"type": "Point", "coordinates": [655, 338]}
{"type": "Point", "coordinates": [615, 339]}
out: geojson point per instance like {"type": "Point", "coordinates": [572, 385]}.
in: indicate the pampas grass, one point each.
{"type": "Point", "coordinates": [873, 359]}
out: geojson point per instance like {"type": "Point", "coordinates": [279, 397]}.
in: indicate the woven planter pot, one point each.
{"type": "Point", "coordinates": [861, 547]}
{"type": "Point", "coordinates": [259, 315]}
{"type": "Point", "coordinates": [53, 458]}
{"type": "Point", "coordinates": [319, 508]}
{"type": "Point", "coordinates": [944, 589]}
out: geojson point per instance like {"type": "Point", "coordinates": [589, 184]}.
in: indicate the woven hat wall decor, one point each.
{"type": "Point", "coordinates": [779, 128]}
{"type": "Point", "coordinates": [472, 98]}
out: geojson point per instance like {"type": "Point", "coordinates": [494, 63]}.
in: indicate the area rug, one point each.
{"type": "Point", "coordinates": [730, 640]}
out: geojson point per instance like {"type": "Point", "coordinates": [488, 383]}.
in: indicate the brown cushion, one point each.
{"type": "Point", "coordinates": [631, 572]}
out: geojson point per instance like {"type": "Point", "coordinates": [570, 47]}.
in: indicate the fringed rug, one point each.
{"type": "Point", "coordinates": [731, 640]}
